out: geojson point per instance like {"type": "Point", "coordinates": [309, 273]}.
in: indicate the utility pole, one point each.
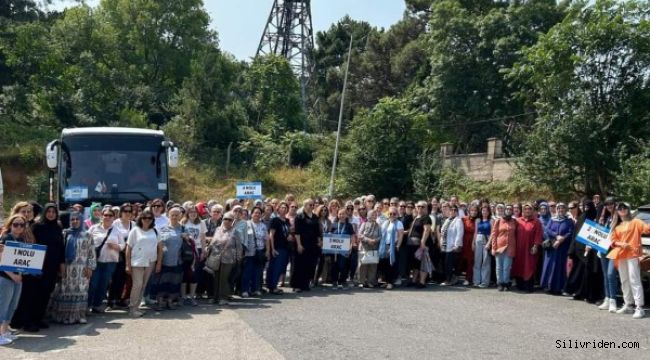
{"type": "Point", "coordinates": [338, 132]}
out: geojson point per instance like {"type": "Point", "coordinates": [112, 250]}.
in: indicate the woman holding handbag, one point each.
{"type": "Point", "coordinates": [108, 244]}
{"type": "Point", "coordinates": [369, 237]}
{"type": "Point", "coordinates": [226, 249]}
{"type": "Point", "coordinates": [254, 254]}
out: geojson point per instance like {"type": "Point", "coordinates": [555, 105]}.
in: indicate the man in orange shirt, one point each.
{"type": "Point", "coordinates": [626, 244]}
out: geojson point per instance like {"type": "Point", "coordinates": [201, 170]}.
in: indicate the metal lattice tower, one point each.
{"type": "Point", "coordinates": [289, 33]}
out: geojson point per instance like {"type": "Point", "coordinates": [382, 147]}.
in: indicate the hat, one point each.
{"type": "Point", "coordinates": [610, 200]}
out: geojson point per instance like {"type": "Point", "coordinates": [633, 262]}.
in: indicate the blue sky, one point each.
{"type": "Point", "coordinates": [240, 22]}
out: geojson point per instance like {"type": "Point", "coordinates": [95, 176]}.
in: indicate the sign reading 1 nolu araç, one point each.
{"type": "Point", "coordinates": [22, 258]}
{"type": "Point", "coordinates": [248, 190]}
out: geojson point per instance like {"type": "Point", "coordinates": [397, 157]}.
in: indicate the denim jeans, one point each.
{"type": "Point", "coordinates": [609, 277]}
{"type": "Point", "coordinates": [277, 267]}
{"type": "Point", "coordinates": [504, 263]}
{"type": "Point", "coordinates": [250, 279]}
{"type": "Point", "coordinates": [9, 296]}
{"type": "Point", "coordinates": [482, 262]}
{"type": "Point", "coordinates": [99, 283]}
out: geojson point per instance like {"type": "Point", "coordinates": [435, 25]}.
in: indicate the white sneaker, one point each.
{"type": "Point", "coordinates": [136, 314]}
{"type": "Point", "coordinates": [398, 282]}
{"type": "Point", "coordinates": [639, 313]}
{"type": "Point", "coordinates": [244, 295]}
{"type": "Point", "coordinates": [604, 305]}
{"type": "Point", "coordinates": [626, 309]}
{"type": "Point", "coordinates": [465, 283]}
{"type": "Point", "coordinates": [10, 336]}
{"type": "Point", "coordinates": [5, 341]}
{"type": "Point", "coordinates": [612, 305]}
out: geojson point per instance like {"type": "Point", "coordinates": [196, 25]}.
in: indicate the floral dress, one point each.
{"type": "Point", "coordinates": [70, 298]}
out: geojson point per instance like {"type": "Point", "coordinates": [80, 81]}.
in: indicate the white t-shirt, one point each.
{"type": "Point", "coordinates": [144, 247]}
{"type": "Point", "coordinates": [161, 221]}
{"type": "Point", "coordinates": [106, 255]}
{"type": "Point", "coordinates": [195, 231]}
{"type": "Point", "coordinates": [121, 230]}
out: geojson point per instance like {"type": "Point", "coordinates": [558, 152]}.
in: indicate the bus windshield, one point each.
{"type": "Point", "coordinates": [112, 168]}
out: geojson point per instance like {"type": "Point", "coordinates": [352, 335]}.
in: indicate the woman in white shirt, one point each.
{"type": "Point", "coordinates": [123, 225]}
{"type": "Point", "coordinates": [108, 244]}
{"type": "Point", "coordinates": [451, 238]}
{"type": "Point", "coordinates": [143, 254]}
{"type": "Point", "coordinates": [192, 272]}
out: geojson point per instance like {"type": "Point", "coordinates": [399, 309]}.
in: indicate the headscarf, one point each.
{"type": "Point", "coordinates": [557, 214]}
{"type": "Point", "coordinates": [71, 236]}
{"type": "Point", "coordinates": [94, 220]}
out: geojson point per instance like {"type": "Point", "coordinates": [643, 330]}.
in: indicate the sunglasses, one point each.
{"type": "Point", "coordinates": [385, 203]}
{"type": "Point", "coordinates": [409, 207]}
{"type": "Point", "coordinates": [402, 206]}
{"type": "Point", "coordinates": [350, 208]}
{"type": "Point", "coordinates": [147, 218]}
{"type": "Point", "coordinates": [108, 215]}
{"type": "Point", "coordinates": [156, 206]}
{"type": "Point", "coordinates": [127, 211]}
{"type": "Point", "coordinates": [393, 204]}
{"type": "Point", "coordinates": [393, 214]}
{"type": "Point", "coordinates": [419, 206]}
{"type": "Point", "coordinates": [75, 219]}
{"type": "Point", "coordinates": [227, 219]}
{"type": "Point", "coordinates": [18, 225]}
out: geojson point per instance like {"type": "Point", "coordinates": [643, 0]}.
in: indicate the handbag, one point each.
{"type": "Point", "coordinates": [369, 257]}
{"type": "Point", "coordinates": [644, 263]}
{"type": "Point", "coordinates": [213, 261]}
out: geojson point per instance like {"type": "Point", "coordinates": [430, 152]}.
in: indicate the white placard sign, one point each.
{"type": "Point", "coordinates": [22, 257]}
{"type": "Point", "coordinates": [594, 235]}
{"type": "Point", "coordinates": [336, 244]}
{"type": "Point", "coordinates": [249, 190]}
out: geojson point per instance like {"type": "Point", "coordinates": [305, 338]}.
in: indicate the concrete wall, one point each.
{"type": "Point", "coordinates": [489, 166]}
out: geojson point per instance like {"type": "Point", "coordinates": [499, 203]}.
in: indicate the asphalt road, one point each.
{"type": "Point", "coordinates": [437, 323]}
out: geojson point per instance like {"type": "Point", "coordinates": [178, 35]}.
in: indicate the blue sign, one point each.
{"type": "Point", "coordinates": [595, 236]}
{"type": "Point", "coordinates": [249, 190]}
{"type": "Point", "coordinates": [22, 258]}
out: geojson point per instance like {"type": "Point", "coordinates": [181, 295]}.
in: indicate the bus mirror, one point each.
{"type": "Point", "coordinates": [172, 157]}
{"type": "Point", "coordinates": [52, 154]}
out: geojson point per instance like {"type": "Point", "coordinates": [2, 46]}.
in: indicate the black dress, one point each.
{"type": "Point", "coordinates": [585, 281]}
{"type": "Point", "coordinates": [36, 291]}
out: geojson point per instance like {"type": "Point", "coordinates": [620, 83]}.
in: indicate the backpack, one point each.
{"type": "Point", "coordinates": [187, 249]}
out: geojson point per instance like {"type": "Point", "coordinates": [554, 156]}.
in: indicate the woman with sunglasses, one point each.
{"type": "Point", "coordinates": [392, 232]}
{"type": "Point", "coordinates": [70, 300]}
{"type": "Point", "coordinates": [122, 226]}
{"type": "Point", "coordinates": [158, 209]}
{"type": "Point", "coordinates": [143, 255]}
{"type": "Point", "coordinates": [560, 231]}
{"type": "Point", "coordinates": [10, 282]}
{"type": "Point", "coordinates": [626, 242]}
{"type": "Point", "coordinates": [108, 244]}
{"type": "Point", "coordinates": [341, 267]}
{"type": "Point", "coordinates": [610, 275]}
{"type": "Point", "coordinates": [37, 290]}
{"type": "Point", "coordinates": [277, 249]}
{"type": "Point", "coordinates": [167, 283]}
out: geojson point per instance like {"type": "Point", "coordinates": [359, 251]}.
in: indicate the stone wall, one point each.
{"type": "Point", "coordinates": [489, 166]}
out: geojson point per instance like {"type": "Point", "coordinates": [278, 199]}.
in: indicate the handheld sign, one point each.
{"type": "Point", "coordinates": [594, 235]}
{"type": "Point", "coordinates": [23, 258]}
{"type": "Point", "coordinates": [336, 244]}
{"type": "Point", "coordinates": [249, 190]}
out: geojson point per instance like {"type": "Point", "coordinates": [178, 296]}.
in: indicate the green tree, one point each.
{"type": "Point", "coordinates": [588, 81]}
{"type": "Point", "coordinates": [383, 145]}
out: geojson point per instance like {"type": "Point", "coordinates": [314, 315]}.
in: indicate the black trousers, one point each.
{"type": "Point", "coordinates": [34, 298]}
{"type": "Point", "coordinates": [305, 268]}
{"type": "Point", "coordinates": [388, 272]}
{"type": "Point", "coordinates": [116, 289]}
{"type": "Point", "coordinates": [450, 265]}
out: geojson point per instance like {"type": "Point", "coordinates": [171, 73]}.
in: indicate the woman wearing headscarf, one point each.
{"type": "Point", "coordinates": [559, 232]}
{"type": "Point", "coordinates": [70, 298]}
{"type": "Point", "coordinates": [585, 280]}
{"type": "Point", "coordinates": [392, 231]}
{"type": "Point", "coordinates": [95, 215]}
{"type": "Point", "coordinates": [37, 290]}
{"type": "Point", "coordinates": [529, 242]}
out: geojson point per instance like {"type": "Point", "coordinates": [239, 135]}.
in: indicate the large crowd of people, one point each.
{"type": "Point", "coordinates": [161, 255]}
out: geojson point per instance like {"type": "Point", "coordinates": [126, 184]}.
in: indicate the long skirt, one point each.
{"type": "Point", "coordinates": [167, 283]}
{"type": "Point", "coordinates": [70, 297]}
